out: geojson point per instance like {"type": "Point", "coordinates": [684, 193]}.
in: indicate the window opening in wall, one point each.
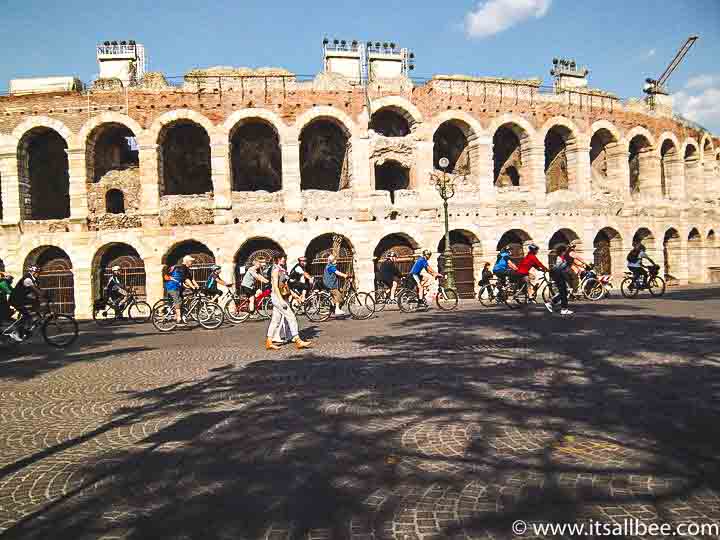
{"type": "Point", "coordinates": [324, 157]}
{"type": "Point", "coordinates": [256, 159]}
{"type": "Point", "coordinates": [671, 254]}
{"type": "Point", "coordinates": [389, 123]}
{"type": "Point", "coordinates": [391, 176]}
{"type": "Point", "coordinates": [557, 175]}
{"type": "Point", "coordinates": [639, 146]}
{"type": "Point", "coordinates": [185, 159]}
{"type": "Point", "coordinates": [601, 145]}
{"type": "Point", "coordinates": [111, 147]}
{"type": "Point", "coordinates": [114, 201]}
{"type": "Point", "coordinates": [450, 142]}
{"type": "Point", "coordinates": [668, 153]}
{"type": "Point", "coordinates": [507, 157]}
{"type": "Point", "coordinates": [515, 239]}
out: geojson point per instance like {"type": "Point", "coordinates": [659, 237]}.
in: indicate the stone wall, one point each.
{"type": "Point", "coordinates": [128, 182]}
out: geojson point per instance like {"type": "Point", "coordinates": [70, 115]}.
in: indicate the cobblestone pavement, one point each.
{"type": "Point", "coordinates": [425, 426]}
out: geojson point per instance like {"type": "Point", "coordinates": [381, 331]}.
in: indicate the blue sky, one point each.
{"type": "Point", "coordinates": [621, 41]}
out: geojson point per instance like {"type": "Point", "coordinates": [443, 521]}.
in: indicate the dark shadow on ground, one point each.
{"type": "Point", "coordinates": [441, 433]}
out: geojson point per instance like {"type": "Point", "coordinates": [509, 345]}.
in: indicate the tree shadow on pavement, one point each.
{"type": "Point", "coordinates": [446, 433]}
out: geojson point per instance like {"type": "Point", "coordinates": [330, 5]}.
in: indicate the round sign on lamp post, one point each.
{"type": "Point", "coordinates": [444, 162]}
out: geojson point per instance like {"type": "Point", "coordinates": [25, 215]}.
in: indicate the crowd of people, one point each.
{"type": "Point", "coordinates": [26, 295]}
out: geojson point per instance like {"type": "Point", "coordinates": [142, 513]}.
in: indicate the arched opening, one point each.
{"type": "Point", "coordinates": [509, 143]}
{"type": "Point", "coordinates": [695, 257]}
{"type": "Point", "coordinates": [132, 269]}
{"type": "Point", "coordinates": [608, 249]}
{"type": "Point", "coordinates": [693, 175]}
{"type": "Point", "coordinates": [389, 122]}
{"type": "Point", "coordinates": [2, 266]}
{"type": "Point", "coordinates": [559, 162]}
{"type": "Point", "coordinates": [466, 254]}
{"type": "Point", "coordinates": [604, 157]}
{"type": "Point", "coordinates": [713, 256]}
{"type": "Point", "coordinates": [562, 237]}
{"type": "Point", "coordinates": [639, 156]}
{"type": "Point", "coordinates": [252, 249]}
{"type": "Point", "coordinates": [451, 142]}
{"type": "Point", "coordinates": [708, 166]}
{"type": "Point", "coordinates": [184, 160]}
{"type": "Point", "coordinates": [669, 161]}
{"type": "Point", "coordinates": [324, 156]}
{"type": "Point", "coordinates": [672, 254]}
{"type": "Point", "coordinates": [114, 201]}
{"type": "Point", "coordinates": [515, 240]}
{"type": "Point", "coordinates": [204, 258]}
{"type": "Point", "coordinates": [391, 176]}
{"type": "Point", "coordinates": [55, 277]}
{"type": "Point", "coordinates": [402, 245]}
{"type": "Point", "coordinates": [44, 175]}
{"type": "Point", "coordinates": [110, 147]}
{"type": "Point", "coordinates": [255, 157]}
{"type": "Point", "coordinates": [320, 247]}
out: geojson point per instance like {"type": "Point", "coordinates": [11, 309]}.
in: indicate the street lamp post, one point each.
{"type": "Point", "coordinates": [446, 189]}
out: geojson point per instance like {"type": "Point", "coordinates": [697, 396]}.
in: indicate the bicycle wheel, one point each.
{"type": "Point", "coordinates": [163, 316]}
{"type": "Point", "coordinates": [380, 297]}
{"type": "Point", "coordinates": [593, 290]}
{"type": "Point", "coordinates": [210, 315]}
{"type": "Point", "coordinates": [628, 288]}
{"type": "Point", "coordinates": [318, 307]}
{"type": "Point", "coordinates": [408, 301]}
{"type": "Point", "coordinates": [657, 286]}
{"type": "Point", "coordinates": [104, 314]}
{"type": "Point", "coordinates": [361, 305]}
{"type": "Point", "coordinates": [486, 296]}
{"type": "Point", "coordinates": [265, 308]}
{"type": "Point", "coordinates": [447, 299]}
{"type": "Point", "coordinates": [60, 330]}
{"type": "Point", "coordinates": [236, 310]}
{"type": "Point", "coordinates": [140, 312]}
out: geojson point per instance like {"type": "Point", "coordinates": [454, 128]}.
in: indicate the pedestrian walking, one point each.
{"type": "Point", "coordinates": [283, 324]}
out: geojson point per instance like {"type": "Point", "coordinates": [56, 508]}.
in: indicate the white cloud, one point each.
{"type": "Point", "coordinates": [702, 81]}
{"type": "Point", "coordinates": [702, 107]}
{"type": "Point", "coordinates": [493, 16]}
{"type": "Point", "coordinates": [650, 53]}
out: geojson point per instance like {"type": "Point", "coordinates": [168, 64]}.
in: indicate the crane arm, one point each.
{"type": "Point", "coordinates": [676, 61]}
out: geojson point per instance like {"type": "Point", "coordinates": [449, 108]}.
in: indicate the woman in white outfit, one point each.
{"type": "Point", "coordinates": [283, 325]}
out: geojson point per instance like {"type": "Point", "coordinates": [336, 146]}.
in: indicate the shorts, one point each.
{"type": "Point", "coordinates": [176, 297]}
{"type": "Point", "coordinates": [384, 280]}
{"type": "Point", "coordinates": [250, 292]}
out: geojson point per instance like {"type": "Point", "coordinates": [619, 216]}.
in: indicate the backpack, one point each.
{"type": "Point", "coordinates": [632, 256]}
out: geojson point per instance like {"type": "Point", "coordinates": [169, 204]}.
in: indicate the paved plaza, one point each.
{"type": "Point", "coordinates": [435, 425]}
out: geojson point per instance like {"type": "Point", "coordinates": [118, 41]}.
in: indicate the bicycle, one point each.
{"type": "Point", "coordinates": [446, 299]}
{"type": "Point", "coordinates": [319, 307]}
{"type": "Point", "coordinates": [235, 306]}
{"type": "Point", "coordinates": [105, 312]}
{"type": "Point", "coordinates": [488, 292]}
{"type": "Point", "coordinates": [382, 294]}
{"type": "Point", "coordinates": [631, 286]}
{"type": "Point", "coordinates": [195, 309]}
{"type": "Point", "coordinates": [58, 330]}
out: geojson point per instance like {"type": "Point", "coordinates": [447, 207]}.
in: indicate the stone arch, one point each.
{"type": "Point", "coordinates": [254, 248]}
{"type": "Point", "coordinates": [561, 237]}
{"type": "Point", "coordinates": [695, 256]}
{"type": "Point", "coordinates": [110, 146]}
{"type": "Point", "coordinates": [708, 164]}
{"type": "Point", "coordinates": [644, 235]}
{"type": "Point", "coordinates": [255, 155]}
{"type": "Point", "coordinates": [641, 146]}
{"type": "Point", "coordinates": [470, 126]}
{"type": "Point", "coordinates": [708, 148]}
{"type": "Point", "coordinates": [178, 115]}
{"type": "Point", "coordinates": [606, 156]}
{"type": "Point", "coordinates": [55, 276]}
{"type": "Point", "coordinates": [390, 122]}
{"type": "Point", "coordinates": [452, 140]}
{"type": "Point", "coordinates": [672, 254]}
{"type": "Point", "coordinates": [511, 154]}
{"type": "Point", "coordinates": [670, 165]}
{"type": "Point", "coordinates": [560, 143]}
{"type": "Point", "coordinates": [516, 240]}
{"type": "Point", "coordinates": [238, 118]}
{"type": "Point", "coordinates": [204, 258]}
{"type": "Point", "coordinates": [184, 158]}
{"type": "Point", "coordinates": [404, 246]}
{"type": "Point", "coordinates": [42, 122]}
{"type": "Point", "coordinates": [320, 247]}
{"type": "Point", "coordinates": [132, 268]}
{"type": "Point", "coordinates": [43, 174]}
{"type": "Point", "coordinates": [693, 168]}
{"type": "Point", "coordinates": [391, 176]}
{"type": "Point", "coordinates": [325, 152]}
{"type": "Point", "coordinates": [466, 257]}
{"type": "Point", "coordinates": [398, 103]}
{"type": "Point", "coordinates": [608, 250]}
{"type": "Point", "coordinates": [114, 201]}
{"type": "Point", "coordinates": [713, 251]}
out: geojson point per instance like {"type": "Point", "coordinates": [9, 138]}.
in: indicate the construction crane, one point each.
{"type": "Point", "coordinates": [654, 87]}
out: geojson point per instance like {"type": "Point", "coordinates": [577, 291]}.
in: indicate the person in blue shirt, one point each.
{"type": "Point", "coordinates": [331, 281]}
{"type": "Point", "coordinates": [420, 271]}
{"type": "Point", "coordinates": [504, 266]}
{"type": "Point", "coordinates": [180, 278]}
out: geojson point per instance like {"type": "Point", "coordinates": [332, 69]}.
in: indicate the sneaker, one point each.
{"type": "Point", "coordinates": [339, 311]}
{"type": "Point", "coordinates": [549, 306]}
{"type": "Point", "coordinates": [566, 312]}
{"type": "Point", "coordinates": [15, 337]}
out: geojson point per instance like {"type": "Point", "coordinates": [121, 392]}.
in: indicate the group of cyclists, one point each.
{"type": "Point", "coordinates": [284, 286]}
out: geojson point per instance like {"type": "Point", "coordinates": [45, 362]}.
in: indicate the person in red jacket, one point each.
{"type": "Point", "coordinates": [529, 262]}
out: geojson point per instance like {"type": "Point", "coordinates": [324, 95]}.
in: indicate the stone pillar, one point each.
{"type": "Point", "coordinates": [221, 181]}
{"type": "Point", "coordinates": [675, 178]}
{"type": "Point", "coordinates": [682, 272]}
{"type": "Point", "coordinates": [580, 176]}
{"type": "Point", "coordinates": [623, 171]}
{"type": "Point", "coordinates": [650, 184]}
{"type": "Point", "coordinates": [154, 286]}
{"type": "Point", "coordinates": [82, 281]}
{"type": "Point", "coordinates": [78, 187]}
{"type": "Point", "coordinates": [424, 168]}
{"type": "Point", "coordinates": [482, 168]}
{"type": "Point", "coordinates": [535, 170]}
{"type": "Point", "coordinates": [290, 152]}
{"type": "Point", "coordinates": [12, 211]}
{"type": "Point", "coordinates": [149, 183]}
{"type": "Point", "coordinates": [361, 178]}
{"type": "Point", "coordinates": [693, 178]}
{"type": "Point", "coordinates": [363, 266]}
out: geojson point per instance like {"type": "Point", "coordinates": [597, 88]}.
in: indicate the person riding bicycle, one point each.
{"type": "Point", "coordinates": [504, 267]}
{"type": "Point", "coordinates": [5, 292]}
{"type": "Point", "coordinates": [529, 262]}
{"type": "Point", "coordinates": [331, 281]}
{"type": "Point", "coordinates": [115, 291]}
{"type": "Point", "coordinates": [559, 275]}
{"type": "Point", "coordinates": [389, 274]}
{"type": "Point", "coordinates": [634, 262]}
{"type": "Point", "coordinates": [180, 279]}
{"type": "Point", "coordinates": [211, 285]}
{"type": "Point", "coordinates": [299, 280]}
{"type": "Point", "coordinates": [26, 296]}
{"type": "Point", "coordinates": [252, 282]}
{"type": "Point", "coordinates": [421, 279]}
{"type": "Point", "coordinates": [577, 266]}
